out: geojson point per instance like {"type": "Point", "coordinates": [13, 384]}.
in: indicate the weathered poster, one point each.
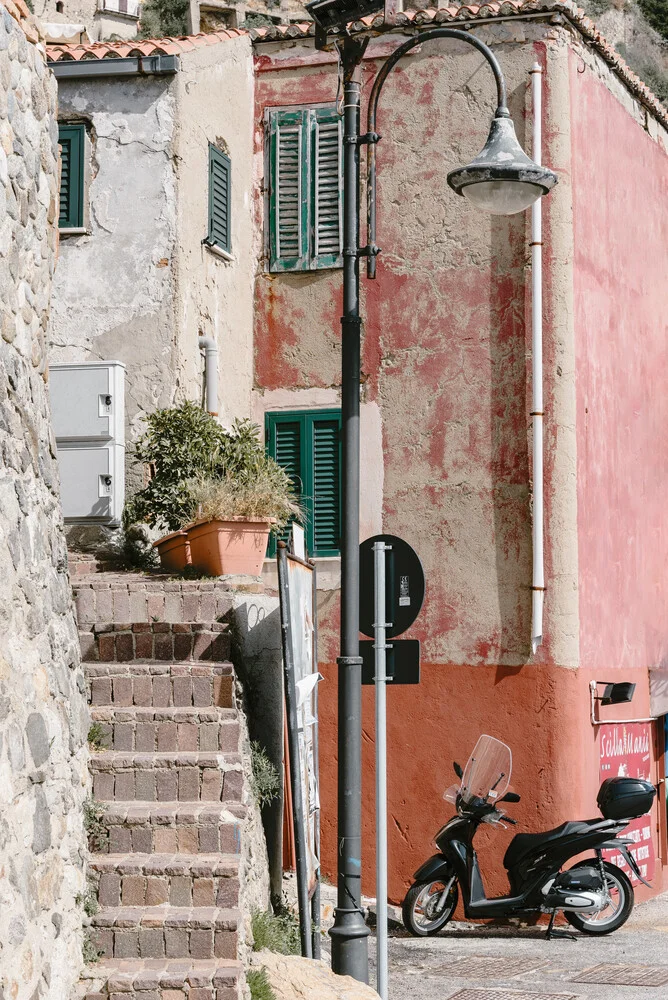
{"type": "Point", "coordinates": [625, 751]}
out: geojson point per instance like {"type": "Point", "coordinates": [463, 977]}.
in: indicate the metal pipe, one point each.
{"type": "Point", "coordinates": [349, 933]}
{"type": "Point", "coordinates": [538, 574]}
{"type": "Point", "coordinates": [383, 73]}
{"type": "Point", "coordinates": [210, 348]}
{"type": "Point", "coordinates": [380, 654]}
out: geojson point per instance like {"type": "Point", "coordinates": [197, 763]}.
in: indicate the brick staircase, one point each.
{"type": "Point", "coordinates": [168, 868]}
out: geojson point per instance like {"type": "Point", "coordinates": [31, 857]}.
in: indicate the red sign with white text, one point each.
{"type": "Point", "coordinates": [625, 751]}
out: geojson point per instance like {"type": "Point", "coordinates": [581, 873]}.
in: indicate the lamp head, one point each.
{"type": "Point", "coordinates": [339, 13]}
{"type": "Point", "coordinates": [502, 179]}
{"type": "Point", "coordinates": [617, 694]}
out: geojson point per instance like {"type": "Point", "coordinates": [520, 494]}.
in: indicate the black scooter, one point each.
{"type": "Point", "coordinates": [595, 896]}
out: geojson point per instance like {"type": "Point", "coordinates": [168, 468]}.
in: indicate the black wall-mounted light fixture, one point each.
{"type": "Point", "coordinates": [616, 694]}
{"type": "Point", "coordinates": [338, 13]}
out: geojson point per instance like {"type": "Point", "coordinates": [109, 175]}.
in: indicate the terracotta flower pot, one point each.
{"type": "Point", "coordinates": [233, 547]}
{"type": "Point", "coordinates": [174, 551]}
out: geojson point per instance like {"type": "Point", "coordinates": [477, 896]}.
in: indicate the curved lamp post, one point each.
{"type": "Point", "coordinates": [501, 180]}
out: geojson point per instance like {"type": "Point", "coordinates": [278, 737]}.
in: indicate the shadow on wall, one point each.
{"type": "Point", "coordinates": [255, 625]}
{"type": "Point", "coordinates": [509, 459]}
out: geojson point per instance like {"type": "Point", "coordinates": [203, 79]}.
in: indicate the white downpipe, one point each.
{"type": "Point", "coordinates": [210, 348]}
{"type": "Point", "coordinates": [538, 577]}
{"type": "Point", "coordinates": [380, 654]}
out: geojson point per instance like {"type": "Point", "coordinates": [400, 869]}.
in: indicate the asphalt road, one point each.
{"type": "Point", "coordinates": [535, 969]}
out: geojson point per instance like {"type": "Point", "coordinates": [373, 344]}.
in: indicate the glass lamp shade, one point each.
{"type": "Point", "coordinates": [502, 197]}
{"type": "Point", "coordinates": [502, 179]}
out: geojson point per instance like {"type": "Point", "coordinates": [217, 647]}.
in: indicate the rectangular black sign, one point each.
{"type": "Point", "coordinates": [402, 661]}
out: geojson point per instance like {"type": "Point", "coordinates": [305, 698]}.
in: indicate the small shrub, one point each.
{"type": "Point", "coordinates": [264, 493]}
{"type": "Point", "coordinates": [97, 738]}
{"type": "Point", "coordinates": [277, 932]}
{"type": "Point", "coordinates": [259, 985]}
{"type": "Point", "coordinates": [88, 900]}
{"type": "Point", "coordinates": [265, 781]}
{"type": "Point", "coordinates": [90, 951]}
{"type": "Point", "coordinates": [163, 18]}
{"type": "Point", "coordinates": [97, 832]}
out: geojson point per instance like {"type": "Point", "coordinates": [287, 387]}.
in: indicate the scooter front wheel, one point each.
{"type": "Point", "coordinates": [429, 905]}
{"type": "Point", "coordinates": [618, 906]}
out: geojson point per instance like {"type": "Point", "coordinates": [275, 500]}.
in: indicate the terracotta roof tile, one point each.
{"type": "Point", "coordinates": [138, 47]}
{"type": "Point", "coordinates": [376, 24]}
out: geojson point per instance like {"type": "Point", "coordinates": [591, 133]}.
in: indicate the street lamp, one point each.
{"type": "Point", "coordinates": [501, 180]}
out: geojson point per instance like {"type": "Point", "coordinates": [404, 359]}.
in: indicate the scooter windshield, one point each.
{"type": "Point", "coordinates": [487, 773]}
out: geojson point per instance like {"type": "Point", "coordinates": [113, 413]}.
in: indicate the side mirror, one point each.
{"type": "Point", "coordinates": [510, 797]}
{"type": "Point", "coordinates": [458, 769]}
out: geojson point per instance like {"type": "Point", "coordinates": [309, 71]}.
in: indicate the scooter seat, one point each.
{"type": "Point", "coordinates": [524, 843]}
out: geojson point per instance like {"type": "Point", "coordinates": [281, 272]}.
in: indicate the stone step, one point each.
{"type": "Point", "coordinates": [165, 932]}
{"type": "Point", "coordinates": [161, 685]}
{"type": "Point", "coordinates": [161, 979]}
{"type": "Point", "coordinates": [164, 729]}
{"type": "Point", "coordinates": [165, 777]}
{"type": "Point", "coordinates": [165, 641]}
{"type": "Point", "coordinates": [137, 597]}
{"type": "Point", "coordinates": [159, 879]}
{"type": "Point", "coordinates": [171, 828]}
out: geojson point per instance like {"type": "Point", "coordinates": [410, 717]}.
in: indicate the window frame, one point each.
{"type": "Point", "coordinates": [217, 154]}
{"type": "Point", "coordinates": [308, 259]}
{"type": "Point", "coordinates": [307, 419]}
{"type": "Point", "coordinates": [75, 132]}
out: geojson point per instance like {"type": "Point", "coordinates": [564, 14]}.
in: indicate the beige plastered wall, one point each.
{"type": "Point", "coordinates": [214, 295]}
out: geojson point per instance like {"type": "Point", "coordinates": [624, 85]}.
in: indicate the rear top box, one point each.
{"type": "Point", "coordinates": [625, 798]}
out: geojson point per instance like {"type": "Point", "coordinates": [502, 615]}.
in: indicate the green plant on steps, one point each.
{"type": "Point", "coordinates": [195, 463]}
{"type": "Point", "coordinates": [259, 985]}
{"type": "Point", "coordinates": [265, 781]}
{"type": "Point", "coordinates": [98, 739]}
{"type": "Point", "coordinates": [277, 932]}
{"type": "Point", "coordinates": [90, 951]}
{"type": "Point", "coordinates": [88, 900]}
{"type": "Point", "coordinates": [93, 811]}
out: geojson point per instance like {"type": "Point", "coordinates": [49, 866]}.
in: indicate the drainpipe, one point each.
{"type": "Point", "coordinates": [210, 348]}
{"type": "Point", "coordinates": [538, 578]}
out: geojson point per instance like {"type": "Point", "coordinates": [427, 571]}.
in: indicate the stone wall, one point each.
{"type": "Point", "coordinates": [43, 717]}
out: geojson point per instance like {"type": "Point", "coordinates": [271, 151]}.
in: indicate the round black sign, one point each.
{"type": "Point", "coordinates": [404, 585]}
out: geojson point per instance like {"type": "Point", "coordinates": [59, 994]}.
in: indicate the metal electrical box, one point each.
{"type": "Point", "coordinates": [88, 414]}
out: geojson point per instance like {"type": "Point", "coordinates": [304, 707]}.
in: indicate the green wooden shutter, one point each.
{"type": "Point", "coordinates": [71, 140]}
{"type": "Point", "coordinates": [326, 446]}
{"type": "Point", "coordinates": [219, 199]}
{"type": "Point", "coordinates": [289, 189]}
{"type": "Point", "coordinates": [307, 444]}
{"type": "Point", "coordinates": [327, 146]}
{"type": "Point", "coordinates": [285, 440]}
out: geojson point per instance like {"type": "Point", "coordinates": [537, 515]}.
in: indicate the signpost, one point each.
{"type": "Point", "coordinates": [390, 570]}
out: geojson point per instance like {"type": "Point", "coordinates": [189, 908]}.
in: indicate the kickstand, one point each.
{"type": "Point", "coordinates": [551, 933]}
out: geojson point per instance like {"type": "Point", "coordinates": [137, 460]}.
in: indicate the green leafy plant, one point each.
{"type": "Point", "coordinates": [93, 813]}
{"type": "Point", "coordinates": [265, 781]}
{"type": "Point", "coordinates": [277, 932]}
{"type": "Point", "coordinates": [259, 985]}
{"type": "Point", "coordinates": [163, 18]}
{"type": "Point", "coordinates": [88, 900]}
{"type": "Point", "coordinates": [185, 447]}
{"type": "Point", "coordinates": [98, 739]}
{"type": "Point", "coordinates": [90, 951]}
{"type": "Point", "coordinates": [656, 12]}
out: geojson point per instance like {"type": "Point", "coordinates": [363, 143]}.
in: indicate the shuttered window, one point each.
{"type": "Point", "coordinates": [305, 189]}
{"type": "Point", "coordinates": [307, 444]}
{"type": "Point", "coordinates": [71, 141]}
{"type": "Point", "coordinates": [219, 200]}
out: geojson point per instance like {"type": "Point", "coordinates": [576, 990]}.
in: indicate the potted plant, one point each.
{"type": "Point", "coordinates": [202, 474]}
{"type": "Point", "coordinates": [234, 516]}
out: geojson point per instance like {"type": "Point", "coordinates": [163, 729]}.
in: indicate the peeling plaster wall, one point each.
{"type": "Point", "coordinates": [113, 296]}
{"type": "Point", "coordinates": [446, 368]}
{"type": "Point", "coordinates": [215, 296]}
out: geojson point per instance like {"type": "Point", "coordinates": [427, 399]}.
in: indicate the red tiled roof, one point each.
{"type": "Point", "coordinates": [376, 24]}
{"type": "Point", "coordinates": [138, 46]}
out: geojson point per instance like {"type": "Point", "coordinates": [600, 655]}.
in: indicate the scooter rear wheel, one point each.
{"type": "Point", "coordinates": [425, 911]}
{"type": "Point", "coordinates": [618, 910]}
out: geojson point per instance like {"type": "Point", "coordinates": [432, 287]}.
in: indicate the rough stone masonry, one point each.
{"type": "Point", "coordinates": [43, 716]}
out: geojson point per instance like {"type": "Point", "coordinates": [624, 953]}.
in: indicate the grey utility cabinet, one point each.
{"type": "Point", "coordinates": [88, 413]}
